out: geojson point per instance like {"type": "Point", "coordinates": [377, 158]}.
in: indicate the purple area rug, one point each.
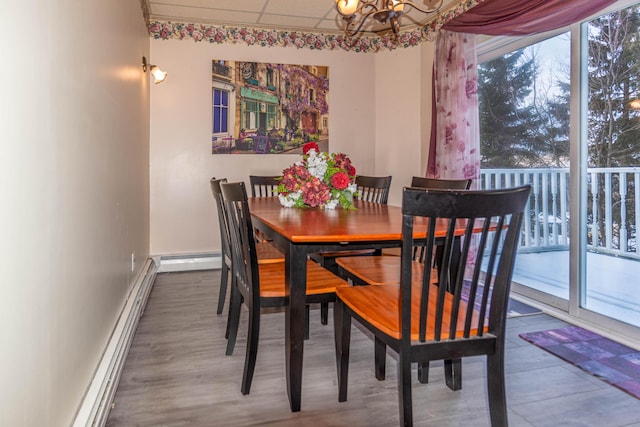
{"type": "Point", "coordinates": [608, 360]}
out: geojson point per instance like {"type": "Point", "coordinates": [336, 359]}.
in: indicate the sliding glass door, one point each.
{"type": "Point", "coordinates": [562, 112]}
{"type": "Point", "coordinates": [524, 126]}
{"type": "Point", "coordinates": [612, 164]}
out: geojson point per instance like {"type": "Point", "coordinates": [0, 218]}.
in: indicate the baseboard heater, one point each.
{"type": "Point", "coordinates": [96, 404]}
{"type": "Point", "coordinates": [188, 262]}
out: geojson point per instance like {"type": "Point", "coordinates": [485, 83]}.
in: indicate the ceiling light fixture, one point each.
{"type": "Point", "coordinates": [356, 12]}
{"type": "Point", "coordinates": [158, 75]}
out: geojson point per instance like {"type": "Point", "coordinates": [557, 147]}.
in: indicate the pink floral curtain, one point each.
{"type": "Point", "coordinates": [456, 109]}
{"type": "Point", "coordinates": [454, 152]}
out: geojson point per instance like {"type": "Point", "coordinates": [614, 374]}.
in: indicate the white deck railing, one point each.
{"type": "Point", "coordinates": [612, 208]}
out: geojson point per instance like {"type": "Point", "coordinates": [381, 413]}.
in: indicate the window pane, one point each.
{"type": "Point", "coordinates": [613, 175]}
{"type": "Point", "coordinates": [524, 134]}
{"type": "Point", "coordinates": [250, 115]}
{"type": "Point", "coordinates": [216, 120]}
{"type": "Point", "coordinates": [223, 120]}
{"type": "Point", "coordinates": [220, 111]}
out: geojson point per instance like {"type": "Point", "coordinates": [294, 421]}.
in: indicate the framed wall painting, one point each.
{"type": "Point", "coordinates": [265, 108]}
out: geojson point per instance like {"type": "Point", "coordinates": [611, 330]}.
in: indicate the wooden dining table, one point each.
{"type": "Point", "coordinates": [300, 232]}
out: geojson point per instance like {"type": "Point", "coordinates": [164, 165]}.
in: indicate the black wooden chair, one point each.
{"type": "Point", "coordinates": [385, 270]}
{"type": "Point", "coordinates": [264, 186]}
{"type": "Point", "coordinates": [422, 321]}
{"type": "Point", "coordinates": [374, 189]}
{"type": "Point", "coordinates": [266, 252]}
{"type": "Point", "coordinates": [261, 285]}
{"type": "Point", "coordinates": [437, 183]}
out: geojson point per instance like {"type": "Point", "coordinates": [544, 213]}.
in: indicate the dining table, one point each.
{"type": "Point", "coordinates": [298, 232]}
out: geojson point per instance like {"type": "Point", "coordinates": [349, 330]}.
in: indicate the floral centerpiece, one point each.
{"type": "Point", "coordinates": [319, 180]}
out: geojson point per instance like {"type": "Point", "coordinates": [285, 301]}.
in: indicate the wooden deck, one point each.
{"type": "Point", "coordinates": [612, 282]}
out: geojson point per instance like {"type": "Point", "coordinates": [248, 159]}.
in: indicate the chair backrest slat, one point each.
{"type": "Point", "coordinates": [264, 186]}
{"type": "Point", "coordinates": [443, 184]}
{"type": "Point", "coordinates": [461, 305]}
{"type": "Point", "coordinates": [374, 189]}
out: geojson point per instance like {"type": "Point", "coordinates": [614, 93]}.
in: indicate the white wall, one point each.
{"type": "Point", "coordinates": [378, 114]}
{"type": "Point", "coordinates": [74, 130]}
{"type": "Point", "coordinates": [182, 211]}
{"type": "Point", "coordinates": [403, 115]}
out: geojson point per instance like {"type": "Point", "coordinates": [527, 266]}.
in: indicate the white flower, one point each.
{"type": "Point", "coordinates": [331, 204]}
{"type": "Point", "coordinates": [316, 164]}
{"type": "Point", "coordinates": [289, 200]}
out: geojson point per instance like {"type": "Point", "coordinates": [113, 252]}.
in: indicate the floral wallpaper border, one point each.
{"type": "Point", "coordinates": [260, 37]}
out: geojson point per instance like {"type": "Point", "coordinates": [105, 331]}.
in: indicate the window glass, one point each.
{"type": "Point", "coordinates": [524, 134]}
{"type": "Point", "coordinates": [250, 116]}
{"type": "Point", "coordinates": [524, 112]}
{"type": "Point", "coordinates": [612, 180]}
{"type": "Point", "coordinates": [220, 111]}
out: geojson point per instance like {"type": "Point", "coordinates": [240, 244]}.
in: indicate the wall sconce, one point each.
{"type": "Point", "coordinates": [158, 75]}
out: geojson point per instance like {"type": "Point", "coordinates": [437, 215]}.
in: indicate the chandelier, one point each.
{"type": "Point", "coordinates": [357, 12]}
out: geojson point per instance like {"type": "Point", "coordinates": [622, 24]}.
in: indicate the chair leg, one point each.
{"type": "Point", "coordinates": [330, 264]}
{"type": "Point", "coordinates": [324, 313]}
{"type": "Point", "coordinates": [423, 372]}
{"type": "Point", "coordinates": [233, 284]}
{"type": "Point", "coordinates": [306, 322]}
{"type": "Point", "coordinates": [252, 349]}
{"type": "Point", "coordinates": [233, 319]}
{"type": "Point", "coordinates": [453, 374]}
{"type": "Point", "coordinates": [496, 389]}
{"type": "Point", "coordinates": [380, 358]}
{"type": "Point", "coordinates": [404, 389]}
{"type": "Point", "coordinates": [342, 331]}
{"type": "Point", "coordinates": [224, 278]}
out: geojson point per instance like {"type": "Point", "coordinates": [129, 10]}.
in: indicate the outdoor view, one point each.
{"type": "Point", "coordinates": [524, 123]}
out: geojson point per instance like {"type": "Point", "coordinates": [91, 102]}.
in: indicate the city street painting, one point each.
{"type": "Point", "coordinates": [264, 108]}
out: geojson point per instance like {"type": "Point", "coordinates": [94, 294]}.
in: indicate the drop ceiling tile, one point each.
{"type": "Point", "coordinates": [302, 15]}
{"type": "Point", "coordinates": [232, 5]}
{"type": "Point", "coordinates": [288, 21]}
{"type": "Point", "coordinates": [202, 14]}
{"type": "Point", "coordinates": [312, 9]}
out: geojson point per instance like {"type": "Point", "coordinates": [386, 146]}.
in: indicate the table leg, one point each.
{"type": "Point", "coordinates": [295, 287]}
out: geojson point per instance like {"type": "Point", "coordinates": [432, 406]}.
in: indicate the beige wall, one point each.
{"type": "Point", "coordinates": [403, 115]}
{"type": "Point", "coordinates": [74, 186]}
{"type": "Point", "coordinates": [82, 189]}
{"type": "Point", "coordinates": [376, 115]}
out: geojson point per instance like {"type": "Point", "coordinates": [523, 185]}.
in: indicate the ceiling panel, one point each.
{"type": "Point", "coordinates": [315, 9]}
{"type": "Point", "coordinates": [218, 16]}
{"type": "Point", "coordinates": [242, 5]}
{"type": "Point", "coordinates": [301, 15]}
{"type": "Point", "coordinates": [279, 21]}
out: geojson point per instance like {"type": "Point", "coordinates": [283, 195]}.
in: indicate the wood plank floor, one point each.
{"type": "Point", "coordinates": [177, 374]}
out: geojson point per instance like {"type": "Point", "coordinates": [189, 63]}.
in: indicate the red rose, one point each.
{"type": "Point", "coordinates": [310, 146]}
{"type": "Point", "coordinates": [340, 180]}
{"type": "Point", "coordinates": [351, 170]}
